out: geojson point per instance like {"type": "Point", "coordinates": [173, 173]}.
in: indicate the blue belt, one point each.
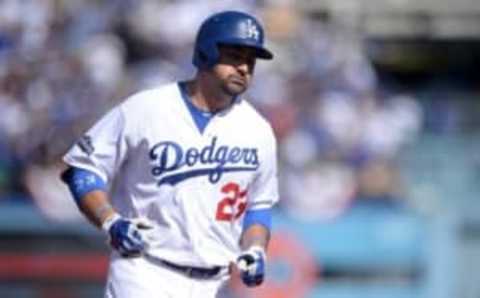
{"type": "Point", "coordinates": [193, 272]}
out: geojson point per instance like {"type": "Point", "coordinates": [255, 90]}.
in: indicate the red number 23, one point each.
{"type": "Point", "coordinates": [233, 205]}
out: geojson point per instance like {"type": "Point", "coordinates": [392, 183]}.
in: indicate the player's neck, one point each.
{"type": "Point", "coordinates": [205, 98]}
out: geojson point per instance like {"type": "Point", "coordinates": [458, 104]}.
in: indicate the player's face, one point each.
{"type": "Point", "coordinates": [235, 69]}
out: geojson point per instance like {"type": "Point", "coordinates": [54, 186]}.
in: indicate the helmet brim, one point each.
{"type": "Point", "coordinates": [263, 53]}
{"type": "Point", "coordinates": [260, 52]}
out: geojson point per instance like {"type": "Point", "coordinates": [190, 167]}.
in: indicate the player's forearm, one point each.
{"type": "Point", "coordinates": [255, 235]}
{"type": "Point", "coordinates": [89, 192]}
{"type": "Point", "coordinates": [96, 206]}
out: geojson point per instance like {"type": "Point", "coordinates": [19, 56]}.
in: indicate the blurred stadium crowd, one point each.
{"type": "Point", "coordinates": [64, 63]}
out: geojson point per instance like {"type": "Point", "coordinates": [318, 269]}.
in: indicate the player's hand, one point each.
{"type": "Point", "coordinates": [251, 264]}
{"type": "Point", "coordinates": [128, 236]}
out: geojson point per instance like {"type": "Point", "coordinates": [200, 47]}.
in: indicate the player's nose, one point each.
{"type": "Point", "coordinates": [245, 68]}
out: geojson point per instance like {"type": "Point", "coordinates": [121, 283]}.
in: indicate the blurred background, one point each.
{"type": "Point", "coordinates": [375, 104]}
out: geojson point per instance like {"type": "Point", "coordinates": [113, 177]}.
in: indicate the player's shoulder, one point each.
{"type": "Point", "coordinates": [253, 118]}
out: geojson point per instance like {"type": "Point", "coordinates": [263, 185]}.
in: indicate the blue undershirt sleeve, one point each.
{"type": "Point", "coordinates": [262, 217]}
{"type": "Point", "coordinates": [81, 182]}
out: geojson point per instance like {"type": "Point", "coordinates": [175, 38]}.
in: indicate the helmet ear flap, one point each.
{"type": "Point", "coordinates": [200, 58]}
{"type": "Point", "coordinates": [206, 56]}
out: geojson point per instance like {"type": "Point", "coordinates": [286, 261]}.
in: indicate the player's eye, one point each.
{"type": "Point", "coordinates": [237, 56]}
{"type": "Point", "coordinates": [234, 56]}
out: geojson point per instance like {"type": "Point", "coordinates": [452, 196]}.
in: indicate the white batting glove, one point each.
{"type": "Point", "coordinates": [251, 264]}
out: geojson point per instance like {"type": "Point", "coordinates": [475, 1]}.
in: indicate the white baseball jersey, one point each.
{"type": "Point", "coordinates": [195, 186]}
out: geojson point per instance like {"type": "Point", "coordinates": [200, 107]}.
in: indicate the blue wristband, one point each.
{"type": "Point", "coordinates": [80, 182]}
{"type": "Point", "coordinates": [261, 217]}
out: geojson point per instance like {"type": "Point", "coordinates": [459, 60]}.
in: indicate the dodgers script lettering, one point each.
{"type": "Point", "coordinates": [173, 163]}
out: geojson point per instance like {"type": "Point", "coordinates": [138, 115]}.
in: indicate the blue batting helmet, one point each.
{"type": "Point", "coordinates": [228, 28]}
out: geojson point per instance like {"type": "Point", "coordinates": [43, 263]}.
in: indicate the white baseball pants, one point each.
{"type": "Point", "coordinates": [142, 278]}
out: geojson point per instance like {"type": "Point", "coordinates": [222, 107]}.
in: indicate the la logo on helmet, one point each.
{"type": "Point", "coordinates": [252, 30]}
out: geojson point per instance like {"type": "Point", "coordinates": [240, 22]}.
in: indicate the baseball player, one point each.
{"type": "Point", "coordinates": [182, 178]}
